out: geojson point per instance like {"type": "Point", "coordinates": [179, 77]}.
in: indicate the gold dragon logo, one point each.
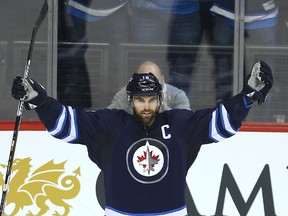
{"type": "Point", "coordinates": [49, 182]}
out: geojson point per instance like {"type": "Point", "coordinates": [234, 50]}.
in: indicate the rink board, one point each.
{"type": "Point", "coordinates": [254, 162]}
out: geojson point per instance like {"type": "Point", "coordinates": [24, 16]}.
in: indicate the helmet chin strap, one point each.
{"type": "Point", "coordinates": [160, 98]}
{"type": "Point", "coordinates": [159, 106]}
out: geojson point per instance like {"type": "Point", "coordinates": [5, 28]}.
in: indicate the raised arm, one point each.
{"type": "Point", "coordinates": [228, 116]}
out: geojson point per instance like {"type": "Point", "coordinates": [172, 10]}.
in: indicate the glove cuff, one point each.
{"type": "Point", "coordinates": [35, 102]}
{"type": "Point", "coordinates": [252, 94]}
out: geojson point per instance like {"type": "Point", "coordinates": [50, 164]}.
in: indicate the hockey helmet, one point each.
{"type": "Point", "coordinates": [144, 84]}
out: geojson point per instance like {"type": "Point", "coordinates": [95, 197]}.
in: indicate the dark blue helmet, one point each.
{"type": "Point", "coordinates": [143, 84]}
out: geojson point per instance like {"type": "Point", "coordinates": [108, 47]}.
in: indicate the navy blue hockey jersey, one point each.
{"type": "Point", "coordinates": [144, 167]}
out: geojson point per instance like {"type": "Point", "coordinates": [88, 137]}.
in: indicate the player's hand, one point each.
{"type": "Point", "coordinates": [258, 83]}
{"type": "Point", "coordinates": [32, 93]}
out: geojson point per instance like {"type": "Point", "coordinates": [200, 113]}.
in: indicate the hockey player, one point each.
{"type": "Point", "coordinates": [173, 98]}
{"type": "Point", "coordinates": [145, 156]}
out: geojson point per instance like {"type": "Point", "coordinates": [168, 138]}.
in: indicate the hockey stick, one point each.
{"type": "Point", "coordinates": [36, 26]}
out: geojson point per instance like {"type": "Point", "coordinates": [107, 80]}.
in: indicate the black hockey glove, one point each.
{"type": "Point", "coordinates": [32, 93]}
{"type": "Point", "coordinates": [258, 83]}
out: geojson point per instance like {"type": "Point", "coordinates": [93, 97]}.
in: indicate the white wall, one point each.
{"type": "Point", "coordinates": [245, 154]}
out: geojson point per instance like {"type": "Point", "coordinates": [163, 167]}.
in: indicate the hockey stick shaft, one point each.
{"type": "Point", "coordinates": [36, 26]}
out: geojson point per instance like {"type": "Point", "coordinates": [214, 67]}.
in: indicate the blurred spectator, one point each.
{"type": "Point", "coordinates": [73, 78]}
{"type": "Point", "coordinates": [206, 19]}
{"type": "Point", "coordinates": [260, 30]}
{"type": "Point", "coordinates": [173, 23]}
{"type": "Point", "coordinates": [283, 22]}
{"type": "Point", "coordinates": [108, 23]}
{"type": "Point", "coordinates": [174, 98]}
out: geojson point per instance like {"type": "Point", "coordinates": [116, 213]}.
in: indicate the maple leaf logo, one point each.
{"type": "Point", "coordinates": [148, 160]}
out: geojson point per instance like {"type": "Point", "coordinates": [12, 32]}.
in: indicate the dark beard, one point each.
{"type": "Point", "coordinates": [144, 120]}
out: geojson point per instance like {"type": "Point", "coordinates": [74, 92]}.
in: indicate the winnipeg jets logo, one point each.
{"type": "Point", "coordinates": [147, 160]}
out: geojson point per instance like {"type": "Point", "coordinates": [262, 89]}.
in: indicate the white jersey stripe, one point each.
{"type": "Point", "coordinates": [223, 12]}
{"type": "Point", "coordinates": [225, 121]}
{"type": "Point", "coordinates": [176, 212]}
{"type": "Point", "coordinates": [60, 123]}
{"type": "Point", "coordinates": [73, 133]}
{"type": "Point", "coordinates": [247, 19]}
{"type": "Point", "coordinates": [94, 12]}
{"type": "Point", "coordinates": [214, 132]}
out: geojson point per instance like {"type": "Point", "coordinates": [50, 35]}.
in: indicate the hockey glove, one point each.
{"type": "Point", "coordinates": [258, 83]}
{"type": "Point", "coordinates": [32, 93]}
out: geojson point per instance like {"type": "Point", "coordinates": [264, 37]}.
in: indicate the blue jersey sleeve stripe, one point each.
{"type": "Point", "coordinates": [73, 129]}
{"type": "Point", "coordinates": [225, 121]}
{"type": "Point", "coordinates": [60, 123]}
{"type": "Point", "coordinates": [248, 106]}
{"type": "Point", "coordinates": [213, 130]}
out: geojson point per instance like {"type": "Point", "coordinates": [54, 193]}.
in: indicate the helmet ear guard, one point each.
{"type": "Point", "coordinates": [161, 98]}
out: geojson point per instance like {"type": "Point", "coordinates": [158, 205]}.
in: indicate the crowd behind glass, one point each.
{"type": "Point", "coordinates": [102, 42]}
